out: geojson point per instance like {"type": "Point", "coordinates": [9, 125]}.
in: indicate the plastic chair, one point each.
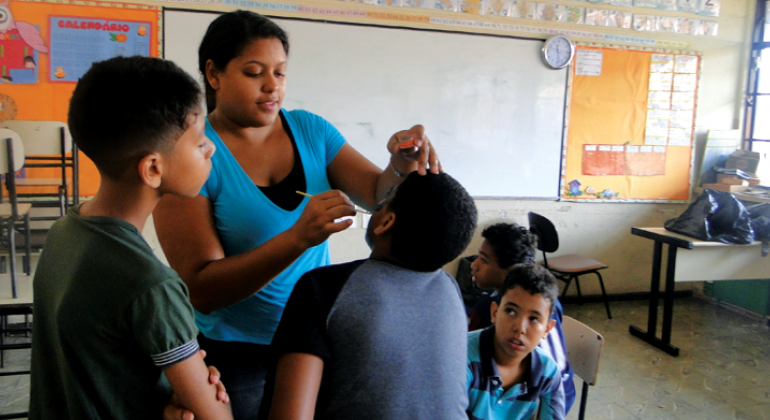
{"type": "Point", "coordinates": [566, 267]}
{"type": "Point", "coordinates": [48, 144]}
{"type": "Point", "coordinates": [12, 160]}
{"type": "Point", "coordinates": [584, 346]}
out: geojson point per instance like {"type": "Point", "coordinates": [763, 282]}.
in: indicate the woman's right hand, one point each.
{"type": "Point", "coordinates": [317, 221]}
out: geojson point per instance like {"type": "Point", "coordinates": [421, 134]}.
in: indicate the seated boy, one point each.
{"type": "Point", "coordinates": [507, 244]}
{"type": "Point", "coordinates": [508, 375]}
{"type": "Point", "coordinates": [361, 340]}
{"type": "Point", "coordinates": [110, 318]}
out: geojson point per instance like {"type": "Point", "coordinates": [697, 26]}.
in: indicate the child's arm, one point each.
{"type": "Point", "coordinates": [190, 381]}
{"type": "Point", "coordinates": [174, 411]}
{"type": "Point", "coordinates": [297, 381]}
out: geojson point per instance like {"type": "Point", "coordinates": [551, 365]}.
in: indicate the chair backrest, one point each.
{"type": "Point", "coordinates": [547, 237]}
{"type": "Point", "coordinates": [41, 137]}
{"type": "Point", "coordinates": [18, 151]}
{"type": "Point", "coordinates": [584, 346]}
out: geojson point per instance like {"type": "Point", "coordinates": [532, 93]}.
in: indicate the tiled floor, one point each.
{"type": "Point", "coordinates": [14, 390]}
{"type": "Point", "coordinates": [722, 373]}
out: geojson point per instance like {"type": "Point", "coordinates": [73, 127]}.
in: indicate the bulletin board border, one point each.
{"type": "Point", "coordinates": [565, 135]}
{"type": "Point", "coordinates": [419, 18]}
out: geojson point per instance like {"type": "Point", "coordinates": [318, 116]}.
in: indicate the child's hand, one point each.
{"type": "Point", "coordinates": [174, 411]}
{"type": "Point", "coordinates": [419, 149]}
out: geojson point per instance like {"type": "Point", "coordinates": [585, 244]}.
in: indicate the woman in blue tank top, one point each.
{"type": "Point", "coordinates": [242, 244]}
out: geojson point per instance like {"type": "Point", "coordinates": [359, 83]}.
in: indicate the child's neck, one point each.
{"type": "Point", "coordinates": [132, 204]}
{"type": "Point", "coordinates": [512, 370]}
{"type": "Point", "coordinates": [381, 249]}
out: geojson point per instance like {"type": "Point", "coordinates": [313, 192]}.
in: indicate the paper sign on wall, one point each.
{"type": "Point", "coordinates": [588, 63]}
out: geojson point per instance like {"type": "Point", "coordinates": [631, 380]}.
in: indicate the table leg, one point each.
{"type": "Point", "coordinates": [652, 320]}
{"type": "Point", "coordinates": [668, 303]}
{"type": "Point", "coordinates": [652, 315]}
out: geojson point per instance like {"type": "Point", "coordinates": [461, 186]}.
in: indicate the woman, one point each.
{"type": "Point", "coordinates": [242, 244]}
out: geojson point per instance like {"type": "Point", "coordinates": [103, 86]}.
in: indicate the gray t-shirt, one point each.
{"type": "Point", "coordinates": [393, 341]}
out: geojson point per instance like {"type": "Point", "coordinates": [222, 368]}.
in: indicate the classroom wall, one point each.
{"type": "Point", "coordinates": [602, 230]}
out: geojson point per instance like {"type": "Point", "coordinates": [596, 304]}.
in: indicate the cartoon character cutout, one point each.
{"type": "Point", "coordinates": [28, 32]}
{"type": "Point", "coordinates": [59, 73]}
{"type": "Point", "coordinates": [573, 189]}
{"type": "Point", "coordinates": [19, 42]}
{"type": "Point", "coordinates": [142, 30]}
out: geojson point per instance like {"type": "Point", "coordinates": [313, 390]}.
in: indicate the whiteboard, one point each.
{"type": "Point", "coordinates": [493, 110]}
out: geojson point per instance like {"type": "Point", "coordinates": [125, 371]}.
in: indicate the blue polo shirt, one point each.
{"type": "Point", "coordinates": [488, 399]}
{"type": "Point", "coordinates": [554, 345]}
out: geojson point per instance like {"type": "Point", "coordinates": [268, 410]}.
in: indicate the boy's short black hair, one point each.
{"type": "Point", "coordinates": [435, 220]}
{"type": "Point", "coordinates": [534, 279]}
{"type": "Point", "coordinates": [511, 243]}
{"type": "Point", "coordinates": [127, 107]}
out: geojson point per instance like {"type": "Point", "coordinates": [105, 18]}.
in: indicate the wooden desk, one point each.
{"type": "Point", "coordinates": [699, 261]}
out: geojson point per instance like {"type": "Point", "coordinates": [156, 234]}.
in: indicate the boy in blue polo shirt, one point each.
{"type": "Point", "coordinates": [507, 373]}
{"type": "Point", "coordinates": [507, 244]}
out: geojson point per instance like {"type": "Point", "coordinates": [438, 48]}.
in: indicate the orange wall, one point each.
{"type": "Point", "coordinates": [50, 101]}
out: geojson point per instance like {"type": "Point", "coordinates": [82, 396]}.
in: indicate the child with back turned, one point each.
{"type": "Point", "coordinates": [508, 376]}
{"type": "Point", "coordinates": [110, 318]}
{"type": "Point", "coordinates": [360, 340]}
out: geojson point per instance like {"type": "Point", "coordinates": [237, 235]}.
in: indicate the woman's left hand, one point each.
{"type": "Point", "coordinates": [419, 155]}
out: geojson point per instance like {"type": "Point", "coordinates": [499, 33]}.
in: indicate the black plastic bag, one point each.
{"type": "Point", "coordinates": [760, 223]}
{"type": "Point", "coordinates": [715, 216]}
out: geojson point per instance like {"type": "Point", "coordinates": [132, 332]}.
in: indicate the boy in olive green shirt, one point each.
{"type": "Point", "coordinates": [109, 317]}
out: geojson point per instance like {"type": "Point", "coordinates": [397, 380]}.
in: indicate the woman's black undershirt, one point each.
{"type": "Point", "coordinates": [284, 193]}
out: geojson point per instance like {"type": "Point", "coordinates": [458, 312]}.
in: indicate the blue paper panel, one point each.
{"type": "Point", "coordinates": [76, 43]}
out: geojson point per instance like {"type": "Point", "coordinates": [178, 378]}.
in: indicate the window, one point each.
{"type": "Point", "coordinates": [757, 123]}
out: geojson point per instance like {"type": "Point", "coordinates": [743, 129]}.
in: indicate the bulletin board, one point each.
{"type": "Point", "coordinates": [631, 120]}
{"type": "Point", "coordinates": [49, 45]}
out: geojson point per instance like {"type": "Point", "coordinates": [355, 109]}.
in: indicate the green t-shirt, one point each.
{"type": "Point", "coordinates": [108, 317]}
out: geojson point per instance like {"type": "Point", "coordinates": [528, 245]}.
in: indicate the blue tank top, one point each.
{"type": "Point", "coordinates": [245, 218]}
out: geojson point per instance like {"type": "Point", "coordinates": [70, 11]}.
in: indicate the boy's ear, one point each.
{"type": "Point", "coordinates": [212, 74]}
{"type": "Point", "coordinates": [387, 223]}
{"type": "Point", "coordinates": [151, 170]}
{"type": "Point", "coordinates": [493, 311]}
{"type": "Point", "coordinates": [549, 327]}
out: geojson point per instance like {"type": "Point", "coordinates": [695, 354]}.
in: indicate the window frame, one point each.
{"type": "Point", "coordinates": [757, 46]}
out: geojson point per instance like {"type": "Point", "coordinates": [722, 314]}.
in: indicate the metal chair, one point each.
{"type": "Point", "coordinates": [565, 267]}
{"type": "Point", "coordinates": [584, 346]}
{"type": "Point", "coordinates": [12, 212]}
{"type": "Point", "coordinates": [48, 144]}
